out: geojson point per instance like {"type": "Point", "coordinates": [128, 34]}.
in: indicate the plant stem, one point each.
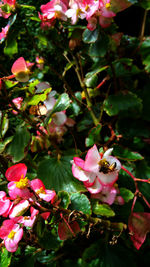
{"type": "Point", "coordinates": [88, 100]}
{"type": "Point", "coordinates": [143, 25]}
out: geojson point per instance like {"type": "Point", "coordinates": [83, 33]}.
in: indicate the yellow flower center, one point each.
{"type": "Point", "coordinates": [86, 8]}
{"type": "Point", "coordinates": [22, 183]}
{"type": "Point", "coordinates": [40, 60]}
{"type": "Point", "coordinates": [40, 191]}
{"type": "Point", "coordinates": [11, 234]}
{"type": "Point", "coordinates": [107, 5]}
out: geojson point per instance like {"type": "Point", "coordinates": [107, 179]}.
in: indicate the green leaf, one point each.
{"type": "Point", "coordinates": [9, 84]}
{"type": "Point", "coordinates": [11, 47]}
{"type": "Point", "coordinates": [64, 199]}
{"type": "Point", "coordinates": [102, 209]}
{"type": "Point", "coordinates": [28, 7]}
{"type": "Point", "coordinates": [122, 102]}
{"type": "Point", "coordinates": [49, 241]}
{"type": "Point", "coordinates": [126, 194]}
{"type": "Point", "coordinates": [39, 97]}
{"type": "Point", "coordinates": [5, 143]}
{"type": "Point", "coordinates": [5, 257]}
{"type": "Point", "coordinates": [17, 147]}
{"type": "Point", "coordinates": [94, 136]}
{"type": "Point", "coordinates": [56, 174]}
{"type": "Point", "coordinates": [90, 36]}
{"type": "Point", "coordinates": [120, 5]}
{"type": "Point", "coordinates": [4, 123]}
{"type": "Point", "coordinates": [126, 154]}
{"type": "Point", "coordinates": [100, 47]}
{"type": "Point", "coordinates": [145, 4]}
{"type": "Point", "coordinates": [95, 71]}
{"type": "Point", "coordinates": [12, 19]}
{"type": "Point", "coordinates": [99, 254]}
{"type": "Point", "coordinates": [144, 49]}
{"type": "Point", "coordinates": [80, 202]}
{"type": "Point", "coordinates": [91, 81]}
{"type": "Point", "coordinates": [61, 104]}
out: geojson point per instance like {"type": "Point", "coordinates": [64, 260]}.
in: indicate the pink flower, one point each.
{"type": "Point", "coordinates": [40, 62]}
{"type": "Point", "coordinates": [52, 10]}
{"type": "Point", "coordinates": [12, 233]}
{"type": "Point", "coordinates": [18, 186]}
{"type": "Point", "coordinates": [5, 204]}
{"type": "Point", "coordinates": [20, 69]}
{"type": "Point", "coordinates": [106, 14]}
{"type": "Point", "coordinates": [17, 101]}
{"type": "Point", "coordinates": [4, 32]}
{"type": "Point", "coordinates": [97, 170]}
{"type": "Point", "coordinates": [39, 188]}
{"type": "Point", "coordinates": [106, 167]}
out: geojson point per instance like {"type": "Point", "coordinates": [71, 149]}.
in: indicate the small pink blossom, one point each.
{"type": "Point", "coordinates": [18, 186]}
{"type": "Point", "coordinates": [39, 188]}
{"type": "Point", "coordinates": [12, 233]}
{"type": "Point", "coordinates": [17, 101]}
{"type": "Point", "coordinates": [40, 62]}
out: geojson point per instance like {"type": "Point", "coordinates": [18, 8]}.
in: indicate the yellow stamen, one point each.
{"type": "Point", "coordinates": [107, 5]}
{"type": "Point", "coordinates": [22, 183]}
{"type": "Point", "coordinates": [86, 8]}
{"type": "Point", "coordinates": [11, 234]}
{"type": "Point", "coordinates": [40, 191]}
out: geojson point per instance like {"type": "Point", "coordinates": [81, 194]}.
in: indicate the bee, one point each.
{"type": "Point", "coordinates": [106, 167]}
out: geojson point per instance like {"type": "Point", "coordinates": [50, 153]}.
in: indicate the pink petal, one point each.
{"type": "Point", "coordinates": [92, 159]}
{"type": "Point", "coordinates": [16, 172]}
{"type": "Point", "coordinates": [45, 215]}
{"type": "Point", "coordinates": [108, 178]}
{"type": "Point", "coordinates": [95, 188]}
{"type": "Point", "coordinates": [107, 195]}
{"type": "Point", "coordinates": [19, 209]}
{"type": "Point", "coordinates": [48, 196]}
{"type": "Point", "coordinates": [6, 228]}
{"type": "Point", "coordinates": [2, 194]}
{"type": "Point", "coordinates": [36, 184]}
{"type": "Point", "coordinates": [15, 192]}
{"type": "Point", "coordinates": [4, 206]}
{"type": "Point", "coordinates": [10, 245]}
{"type": "Point", "coordinates": [19, 66]}
{"type": "Point", "coordinates": [79, 173]}
{"type": "Point", "coordinates": [18, 236]}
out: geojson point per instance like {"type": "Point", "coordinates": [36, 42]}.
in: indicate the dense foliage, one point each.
{"type": "Point", "coordinates": [74, 89]}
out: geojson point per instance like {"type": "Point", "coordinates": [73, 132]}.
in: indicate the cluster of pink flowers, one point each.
{"type": "Point", "coordinates": [23, 193]}
{"type": "Point", "coordinates": [99, 172]}
{"type": "Point", "coordinates": [93, 11]}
